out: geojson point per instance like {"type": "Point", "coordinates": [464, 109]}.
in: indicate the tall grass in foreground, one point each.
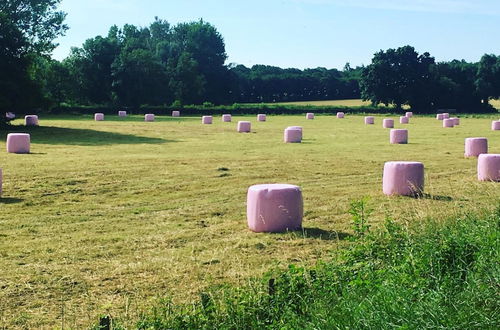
{"type": "Point", "coordinates": [414, 276]}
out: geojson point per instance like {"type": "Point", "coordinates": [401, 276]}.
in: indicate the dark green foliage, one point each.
{"type": "Point", "coordinates": [427, 275]}
{"type": "Point", "coordinates": [403, 77]}
{"type": "Point", "coordinates": [488, 77]}
{"type": "Point", "coordinates": [399, 76]}
{"type": "Point", "coordinates": [262, 83]}
{"type": "Point", "coordinates": [27, 29]}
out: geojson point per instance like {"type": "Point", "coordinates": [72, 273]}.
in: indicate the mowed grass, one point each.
{"type": "Point", "coordinates": [104, 217]}
{"type": "Point", "coordinates": [351, 103]}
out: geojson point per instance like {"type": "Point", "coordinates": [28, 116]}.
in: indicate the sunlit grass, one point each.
{"type": "Point", "coordinates": [104, 216]}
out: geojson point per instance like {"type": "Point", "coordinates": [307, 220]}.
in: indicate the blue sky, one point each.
{"type": "Point", "coordinates": [307, 33]}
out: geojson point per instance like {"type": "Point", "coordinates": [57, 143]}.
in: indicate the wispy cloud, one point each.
{"type": "Point", "coordinates": [481, 7]}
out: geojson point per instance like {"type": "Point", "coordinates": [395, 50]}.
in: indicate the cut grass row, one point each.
{"type": "Point", "coordinates": [103, 216]}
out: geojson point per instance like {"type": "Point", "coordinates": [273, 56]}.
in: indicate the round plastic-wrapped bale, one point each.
{"type": "Point", "coordinates": [398, 136]}
{"type": "Point", "coordinates": [340, 115]}
{"type": "Point", "coordinates": [274, 208]}
{"type": "Point", "coordinates": [293, 135]}
{"type": "Point", "coordinates": [388, 123]}
{"type": "Point", "coordinates": [149, 117]}
{"type": "Point", "coordinates": [207, 120]}
{"type": "Point", "coordinates": [369, 120]}
{"type": "Point", "coordinates": [261, 117]}
{"type": "Point", "coordinates": [403, 178]}
{"type": "Point", "coordinates": [404, 120]}
{"type": "Point", "coordinates": [476, 146]}
{"type": "Point", "coordinates": [488, 167]}
{"type": "Point", "coordinates": [176, 113]}
{"type": "Point", "coordinates": [99, 116]}
{"type": "Point", "coordinates": [309, 115]}
{"type": "Point", "coordinates": [440, 116]}
{"type": "Point", "coordinates": [409, 114]}
{"type": "Point", "coordinates": [456, 121]}
{"type": "Point", "coordinates": [226, 118]}
{"type": "Point", "coordinates": [18, 143]}
{"type": "Point", "coordinates": [244, 126]}
{"type": "Point", "coordinates": [31, 120]}
{"type": "Point", "coordinates": [122, 113]}
{"type": "Point", "coordinates": [448, 122]}
{"type": "Point", "coordinates": [495, 125]}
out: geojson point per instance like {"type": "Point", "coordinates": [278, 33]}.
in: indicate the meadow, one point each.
{"type": "Point", "coordinates": [107, 217]}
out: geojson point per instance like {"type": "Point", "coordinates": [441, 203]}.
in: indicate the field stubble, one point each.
{"type": "Point", "coordinates": [103, 217]}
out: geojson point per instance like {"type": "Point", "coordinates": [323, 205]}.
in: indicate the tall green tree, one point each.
{"type": "Point", "coordinates": [488, 77]}
{"type": "Point", "coordinates": [27, 30]}
{"type": "Point", "coordinates": [400, 77]}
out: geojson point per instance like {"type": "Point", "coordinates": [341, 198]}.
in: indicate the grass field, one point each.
{"type": "Point", "coordinates": [343, 103]}
{"type": "Point", "coordinates": [351, 103]}
{"type": "Point", "coordinates": [104, 217]}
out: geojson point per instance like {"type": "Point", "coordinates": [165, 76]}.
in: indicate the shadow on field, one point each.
{"type": "Point", "coordinates": [82, 137]}
{"type": "Point", "coordinates": [326, 235]}
{"type": "Point", "coordinates": [10, 200]}
{"type": "Point", "coordinates": [437, 197]}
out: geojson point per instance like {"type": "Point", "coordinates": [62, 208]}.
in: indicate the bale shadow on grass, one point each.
{"type": "Point", "coordinates": [10, 200]}
{"type": "Point", "coordinates": [81, 137]}
{"type": "Point", "coordinates": [325, 235]}
{"type": "Point", "coordinates": [435, 197]}
{"type": "Point", "coordinates": [317, 233]}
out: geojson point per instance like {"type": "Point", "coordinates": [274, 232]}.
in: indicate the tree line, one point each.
{"type": "Point", "coordinates": [161, 65]}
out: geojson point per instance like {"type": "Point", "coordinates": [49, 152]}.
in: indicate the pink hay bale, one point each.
{"type": "Point", "coordinates": [456, 121]}
{"type": "Point", "coordinates": [369, 120]}
{"type": "Point", "coordinates": [261, 117]}
{"type": "Point", "coordinates": [98, 116]}
{"type": "Point", "coordinates": [340, 115]}
{"type": "Point", "coordinates": [309, 115]}
{"type": "Point", "coordinates": [274, 208]}
{"type": "Point", "coordinates": [149, 117]}
{"type": "Point", "coordinates": [31, 120]}
{"type": "Point", "coordinates": [404, 120]}
{"type": "Point", "coordinates": [398, 136]}
{"type": "Point", "coordinates": [440, 116]}
{"type": "Point", "coordinates": [244, 126]}
{"type": "Point", "coordinates": [446, 115]}
{"type": "Point", "coordinates": [18, 143]}
{"type": "Point", "coordinates": [299, 128]}
{"type": "Point", "coordinates": [488, 167]}
{"type": "Point", "coordinates": [388, 123]}
{"type": "Point", "coordinates": [409, 114]}
{"type": "Point", "coordinates": [226, 118]}
{"type": "Point", "coordinates": [403, 178]}
{"type": "Point", "coordinates": [122, 113]}
{"type": "Point", "coordinates": [176, 113]}
{"type": "Point", "coordinates": [448, 122]}
{"type": "Point", "coordinates": [475, 146]}
{"type": "Point", "coordinates": [293, 135]}
{"type": "Point", "coordinates": [495, 125]}
{"type": "Point", "coordinates": [207, 120]}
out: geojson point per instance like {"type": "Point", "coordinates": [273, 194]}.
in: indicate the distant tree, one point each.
{"type": "Point", "coordinates": [206, 48]}
{"type": "Point", "coordinates": [90, 67]}
{"type": "Point", "coordinates": [27, 30]}
{"type": "Point", "coordinates": [139, 78]}
{"type": "Point", "coordinates": [400, 77]}
{"type": "Point", "coordinates": [455, 86]}
{"type": "Point", "coordinates": [488, 77]}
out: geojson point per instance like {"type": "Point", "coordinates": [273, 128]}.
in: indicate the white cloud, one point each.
{"type": "Point", "coordinates": [482, 7]}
